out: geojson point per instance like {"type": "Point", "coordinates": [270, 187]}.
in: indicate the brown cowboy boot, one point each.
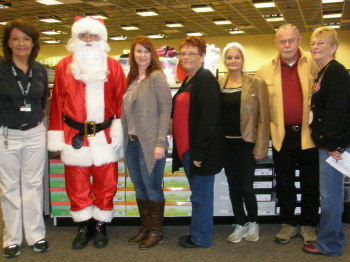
{"type": "Point", "coordinates": [145, 216]}
{"type": "Point", "coordinates": [155, 234]}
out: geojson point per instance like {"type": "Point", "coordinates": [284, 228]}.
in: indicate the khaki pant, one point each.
{"type": "Point", "coordinates": [21, 184]}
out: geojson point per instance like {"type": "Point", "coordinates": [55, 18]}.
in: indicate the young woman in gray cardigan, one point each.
{"type": "Point", "coordinates": [146, 113]}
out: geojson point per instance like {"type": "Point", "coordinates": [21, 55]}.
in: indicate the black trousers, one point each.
{"type": "Point", "coordinates": [239, 170]}
{"type": "Point", "coordinates": [286, 161]}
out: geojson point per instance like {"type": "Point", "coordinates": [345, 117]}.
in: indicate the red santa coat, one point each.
{"type": "Point", "coordinates": [92, 101]}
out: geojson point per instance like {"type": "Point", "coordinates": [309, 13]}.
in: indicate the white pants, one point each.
{"type": "Point", "coordinates": [21, 184]}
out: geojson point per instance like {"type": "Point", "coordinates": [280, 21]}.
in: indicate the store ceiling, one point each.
{"type": "Point", "coordinates": [305, 14]}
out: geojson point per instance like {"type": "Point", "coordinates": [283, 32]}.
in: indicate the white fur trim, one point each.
{"type": "Point", "coordinates": [82, 215]}
{"type": "Point", "coordinates": [101, 152]}
{"type": "Point", "coordinates": [116, 134]}
{"type": "Point", "coordinates": [89, 25]}
{"type": "Point", "coordinates": [76, 157]}
{"type": "Point", "coordinates": [103, 215]}
{"type": "Point", "coordinates": [55, 140]}
{"type": "Point", "coordinates": [95, 103]}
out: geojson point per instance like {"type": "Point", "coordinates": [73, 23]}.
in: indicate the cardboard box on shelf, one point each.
{"type": "Point", "coordinates": [57, 181]}
{"type": "Point", "coordinates": [177, 195]}
{"type": "Point", "coordinates": [58, 196]}
{"type": "Point", "coordinates": [176, 181]}
{"type": "Point", "coordinates": [56, 166]}
{"type": "Point", "coordinates": [119, 196]}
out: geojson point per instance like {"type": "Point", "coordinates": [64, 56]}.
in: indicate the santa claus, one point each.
{"type": "Point", "coordinates": [85, 128]}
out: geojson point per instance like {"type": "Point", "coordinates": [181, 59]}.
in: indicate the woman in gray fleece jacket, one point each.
{"type": "Point", "coordinates": [146, 116]}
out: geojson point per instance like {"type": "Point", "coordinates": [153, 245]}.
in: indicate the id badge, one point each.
{"type": "Point", "coordinates": [25, 107]}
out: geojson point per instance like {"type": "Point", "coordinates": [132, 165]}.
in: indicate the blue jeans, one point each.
{"type": "Point", "coordinates": [147, 186]}
{"type": "Point", "coordinates": [202, 198]}
{"type": "Point", "coordinates": [330, 239]}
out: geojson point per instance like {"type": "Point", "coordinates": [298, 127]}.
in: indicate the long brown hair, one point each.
{"type": "Point", "coordinates": [26, 28]}
{"type": "Point", "coordinates": [134, 69]}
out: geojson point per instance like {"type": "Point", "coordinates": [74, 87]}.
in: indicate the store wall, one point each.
{"type": "Point", "coordinates": [259, 48]}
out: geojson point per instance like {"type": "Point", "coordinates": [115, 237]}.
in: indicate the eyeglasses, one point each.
{"type": "Point", "coordinates": [284, 42]}
{"type": "Point", "coordinates": [93, 37]}
{"type": "Point", "coordinates": [190, 54]}
{"type": "Point", "coordinates": [319, 43]}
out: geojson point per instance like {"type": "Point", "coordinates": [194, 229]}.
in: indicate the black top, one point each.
{"type": "Point", "coordinates": [230, 111]}
{"type": "Point", "coordinates": [206, 140]}
{"type": "Point", "coordinates": [330, 105]}
{"type": "Point", "coordinates": [11, 97]}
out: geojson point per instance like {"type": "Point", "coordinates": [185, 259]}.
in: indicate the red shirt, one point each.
{"type": "Point", "coordinates": [180, 122]}
{"type": "Point", "coordinates": [292, 94]}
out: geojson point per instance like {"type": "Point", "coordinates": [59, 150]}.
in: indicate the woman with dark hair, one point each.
{"type": "Point", "coordinates": [198, 138]}
{"type": "Point", "coordinates": [23, 93]}
{"type": "Point", "coordinates": [146, 113]}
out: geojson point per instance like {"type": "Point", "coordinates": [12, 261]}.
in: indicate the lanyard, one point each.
{"type": "Point", "coordinates": [19, 82]}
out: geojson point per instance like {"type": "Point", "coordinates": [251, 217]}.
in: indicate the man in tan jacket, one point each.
{"type": "Point", "coordinates": [289, 76]}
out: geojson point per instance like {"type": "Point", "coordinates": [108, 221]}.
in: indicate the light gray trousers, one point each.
{"type": "Point", "coordinates": [21, 184]}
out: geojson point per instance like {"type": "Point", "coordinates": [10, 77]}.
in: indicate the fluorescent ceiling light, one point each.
{"type": "Point", "coordinates": [129, 27]}
{"type": "Point", "coordinates": [173, 24]}
{"type": "Point", "coordinates": [202, 8]}
{"type": "Point", "coordinates": [3, 22]}
{"type": "Point", "coordinates": [5, 5]}
{"type": "Point", "coordinates": [146, 12]}
{"type": "Point", "coordinates": [97, 15]}
{"type": "Point", "coordinates": [195, 34]}
{"type": "Point", "coordinates": [274, 18]}
{"type": "Point", "coordinates": [332, 15]}
{"type": "Point", "coordinates": [52, 32]}
{"type": "Point", "coordinates": [222, 22]}
{"type": "Point", "coordinates": [156, 36]}
{"type": "Point", "coordinates": [51, 41]}
{"type": "Point", "coordinates": [49, 2]}
{"type": "Point", "coordinates": [333, 25]}
{"type": "Point", "coordinates": [331, 1]}
{"type": "Point", "coordinates": [52, 19]}
{"type": "Point", "coordinates": [118, 38]}
{"type": "Point", "coordinates": [235, 31]}
{"type": "Point", "coordinates": [264, 4]}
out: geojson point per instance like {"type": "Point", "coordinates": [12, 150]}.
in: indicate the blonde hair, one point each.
{"type": "Point", "coordinates": [326, 32]}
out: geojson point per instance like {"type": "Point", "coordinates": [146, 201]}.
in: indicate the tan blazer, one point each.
{"type": "Point", "coordinates": [254, 113]}
{"type": "Point", "coordinates": [270, 72]}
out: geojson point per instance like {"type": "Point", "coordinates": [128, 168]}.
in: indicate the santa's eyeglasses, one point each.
{"type": "Point", "coordinates": [92, 37]}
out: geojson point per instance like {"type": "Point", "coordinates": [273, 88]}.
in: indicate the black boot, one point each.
{"type": "Point", "coordinates": [101, 239]}
{"type": "Point", "coordinates": [85, 234]}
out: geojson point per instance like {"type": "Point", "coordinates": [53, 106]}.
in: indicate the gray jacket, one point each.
{"type": "Point", "coordinates": [151, 108]}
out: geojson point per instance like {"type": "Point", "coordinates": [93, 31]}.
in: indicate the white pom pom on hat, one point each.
{"type": "Point", "coordinates": [89, 25]}
{"type": "Point", "coordinates": [230, 45]}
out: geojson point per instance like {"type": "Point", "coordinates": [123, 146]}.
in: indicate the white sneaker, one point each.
{"type": "Point", "coordinates": [253, 232]}
{"type": "Point", "coordinates": [239, 233]}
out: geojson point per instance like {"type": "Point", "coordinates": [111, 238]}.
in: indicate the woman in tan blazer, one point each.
{"type": "Point", "coordinates": [245, 116]}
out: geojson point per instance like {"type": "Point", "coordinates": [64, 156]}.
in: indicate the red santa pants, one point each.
{"type": "Point", "coordinates": [99, 192]}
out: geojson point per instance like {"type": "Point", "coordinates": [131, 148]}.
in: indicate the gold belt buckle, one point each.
{"type": "Point", "coordinates": [93, 123]}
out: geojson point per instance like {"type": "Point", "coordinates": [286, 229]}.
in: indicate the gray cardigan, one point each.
{"type": "Point", "coordinates": [151, 103]}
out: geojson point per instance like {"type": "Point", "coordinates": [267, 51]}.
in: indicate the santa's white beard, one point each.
{"type": "Point", "coordinates": [89, 60]}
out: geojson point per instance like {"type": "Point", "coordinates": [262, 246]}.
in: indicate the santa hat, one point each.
{"type": "Point", "coordinates": [89, 25]}
{"type": "Point", "coordinates": [229, 46]}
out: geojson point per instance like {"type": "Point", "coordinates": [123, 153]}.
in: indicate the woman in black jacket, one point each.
{"type": "Point", "coordinates": [198, 138]}
{"type": "Point", "coordinates": [330, 126]}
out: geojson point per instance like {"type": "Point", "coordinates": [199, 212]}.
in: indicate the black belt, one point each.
{"type": "Point", "coordinates": [294, 128]}
{"type": "Point", "coordinates": [88, 128]}
{"type": "Point", "coordinates": [25, 127]}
